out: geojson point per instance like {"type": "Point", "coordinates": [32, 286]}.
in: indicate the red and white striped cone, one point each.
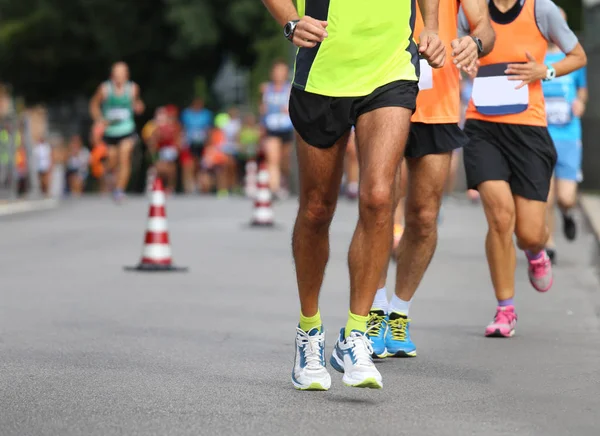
{"type": "Point", "coordinates": [262, 215]}
{"type": "Point", "coordinates": [156, 253]}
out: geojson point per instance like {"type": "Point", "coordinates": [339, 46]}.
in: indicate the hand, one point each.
{"type": "Point", "coordinates": [472, 72]}
{"type": "Point", "coordinates": [465, 53]}
{"type": "Point", "coordinates": [138, 107]}
{"type": "Point", "coordinates": [309, 32]}
{"type": "Point", "coordinates": [578, 108]}
{"type": "Point", "coordinates": [432, 48]}
{"type": "Point", "coordinates": [527, 73]}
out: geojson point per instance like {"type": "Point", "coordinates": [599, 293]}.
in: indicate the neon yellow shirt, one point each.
{"type": "Point", "coordinates": [370, 44]}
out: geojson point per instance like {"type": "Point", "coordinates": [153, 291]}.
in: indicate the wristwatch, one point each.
{"type": "Point", "coordinates": [479, 45]}
{"type": "Point", "coordinates": [550, 73]}
{"type": "Point", "coordinates": [289, 29]}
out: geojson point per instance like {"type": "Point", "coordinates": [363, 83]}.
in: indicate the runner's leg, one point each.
{"type": "Point", "coordinates": [273, 150]}
{"type": "Point", "coordinates": [551, 220]}
{"type": "Point", "coordinates": [125, 149]}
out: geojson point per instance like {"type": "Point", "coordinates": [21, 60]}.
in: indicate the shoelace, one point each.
{"type": "Point", "coordinates": [375, 323]}
{"type": "Point", "coordinates": [362, 347]}
{"type": "Point", "coordinates": [312, 347]}
{"type": "Point", "coordinates": [504, 317]}
{"type": "Point", "coordinates": [398, 328]}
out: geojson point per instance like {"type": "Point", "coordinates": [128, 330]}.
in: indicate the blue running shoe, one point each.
{"type": "Point", "coordinates": [397, 340]}
{"type": "Point", "coordinates": [377, 327]}
{"type": "Point", "coordinates": [309, 373]}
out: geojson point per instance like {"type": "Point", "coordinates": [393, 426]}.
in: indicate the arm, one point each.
{"type": "Point", "coordinates": [138, 105]}
{"type": "Point", "coordinates": [429, 13]}
{"type": "Point", "coordinates": [582, 94]}
{"type": "Point", "coordinates": [308, 32]}
{"type": "Point", "coordinates": [96, 103]}
{"type": "Point", "coordinates": [431, 46]}
{"type": "Point", "coordinates": [477, 13]}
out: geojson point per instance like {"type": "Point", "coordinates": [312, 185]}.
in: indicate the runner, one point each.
{"type": "Point", "coordinates": [43, 155]}
{"type": "Point", "coordinates": [566, 98]}
{"type": "Point", "coordinates": [342, 81]}
{"type": "Point", "coordinates": [166, 142]}
{"type": "Point", "coordinates": [278, 127]}
{"type": "Point", "coordinates": [510, 155]}
{"type": "Point", "coordinates": [197, 122]}
{"type": "Point", "coordinates": [78, 161]}
{"type": "Point", "coordinates": [115, 103]}
{"type": "Point", "coordinates": [434, 135]}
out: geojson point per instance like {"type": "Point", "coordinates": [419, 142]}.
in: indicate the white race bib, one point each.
{"type": "Point", "coordinates": [496, 95]}
{"type": "Point", "coordinates": [117, 114]}
{"type": "Point", "coordinates": [558, 111]}
{"type": "Point", "coordinates": [426, 78]}
{"type": "Point", "coordinates": [278, 122]}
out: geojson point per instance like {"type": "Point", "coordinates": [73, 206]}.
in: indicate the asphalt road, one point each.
{"type": "Point", "coordinates": [88, 349]}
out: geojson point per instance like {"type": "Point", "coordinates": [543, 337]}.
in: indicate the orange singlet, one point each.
{"type": "Point", "coordinates": [494, 96]}
{"type": "Point", "coordinates": [440, 104]}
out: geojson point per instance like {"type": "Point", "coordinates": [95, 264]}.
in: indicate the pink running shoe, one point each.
{"type": "Point", "coordinates": [540, 272]}
{"type": "Point", "coordinates": [504, 323]}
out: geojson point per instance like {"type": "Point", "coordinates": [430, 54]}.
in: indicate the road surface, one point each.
{"type": "Point", "coordinates": [88, 349]}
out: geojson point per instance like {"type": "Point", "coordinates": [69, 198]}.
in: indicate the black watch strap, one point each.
{"type": "Point", "coordinates": [289, 29]}
{"type": "Point", "coordinates": [479, 45]}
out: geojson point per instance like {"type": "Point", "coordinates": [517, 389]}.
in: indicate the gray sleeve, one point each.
{"type": "Point", "coordinates": [463, 24]}
{"type": "Point", "coordinates": [553, 27]}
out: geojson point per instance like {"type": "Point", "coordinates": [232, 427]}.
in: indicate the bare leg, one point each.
{"type": "Point", "coordinates": [273, 154]}
{"type": "Point", "coordinates": [499, 207]}
{"type": "Point", "coordinates": [125, 150]}
{"type": "Point", "coordinates": [381, 139]}
{"type": "Point", "coordinates": [320, 178]}
{"type": "Point", "coordinates": [427, 179]}
{"type": "Point", "coordinates": [550, 214]}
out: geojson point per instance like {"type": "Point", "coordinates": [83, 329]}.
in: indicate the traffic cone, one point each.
{"type": "Point", "coordinates": [262, 216]}
{"type": "Point", "coordinates": [156, 253]}
{"type": "Point", "coordinates": [250, 179]}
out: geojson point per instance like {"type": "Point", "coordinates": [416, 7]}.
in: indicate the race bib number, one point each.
{"type": "Point", "coordinates": [426, 78]}
{"type": "Point", "coordinates": [278, 122]}
{"type": "Point", "coordinates": [118, 114]}
{"type": "Point", "coordinates": [558, 111]}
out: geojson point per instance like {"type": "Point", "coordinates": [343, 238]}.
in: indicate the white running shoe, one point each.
{"type": "Point", "coordinates": [352, 356]}
{"type": "Point", "coordinates": [309, 373]}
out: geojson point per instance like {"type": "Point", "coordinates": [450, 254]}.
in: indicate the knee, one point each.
{"type": "Point", "coordinates": [566, 201]}
{"type": "Point", "coordinates": [317, 210]}
{"type": "Point", "coordinates": [501, 220]}
{"type": "Point", "coordinates": [421, 220]}
{"type": "Point", "coordinates": [532, 238]}
{"type": "Point", "coordinates": [376, 199]}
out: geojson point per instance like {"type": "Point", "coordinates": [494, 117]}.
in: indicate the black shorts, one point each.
{"type": "Point", "coordinates": [425, 139]}
{"type": "Point", "coordinates": [116, 140]}
{"type": "Point", "coordinates": [523, 156]}
{"type": "Point", "coordinates": [197, 149]}
{"type": "Point", "coordinates": [321, 120]}
{"type": "Point", "coordinates": [285, 136]}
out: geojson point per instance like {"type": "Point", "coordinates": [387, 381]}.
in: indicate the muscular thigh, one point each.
{"type": "Point", "coordinates": [530, 215]}
{"type": "Point", "coordinates": [381, 136]}
{"type": "Point", "coordinates": [126, 147]}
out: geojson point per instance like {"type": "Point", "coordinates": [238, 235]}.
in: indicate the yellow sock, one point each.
{"type": "Point", "coordinates": [356, 322]}
{"type": "Point", "coordinates": [307, 323]}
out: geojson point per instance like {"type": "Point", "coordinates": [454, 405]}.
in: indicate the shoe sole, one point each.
{"type": "Point", "coordinates": [541, 291]}
{"type": "Point", "coordinates": [498, 334]}
{"type": "Point", "coordinates": [315, 386]}
{"type": "Point", "coordinates": [403, 354]}
{"type": "Point", "coordinates": [368, 383]}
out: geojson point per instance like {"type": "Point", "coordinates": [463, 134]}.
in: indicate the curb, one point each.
{"type": "Point", "coordinates": [23, 206]}
{"type": "Point", "coordinates": [591, 208]}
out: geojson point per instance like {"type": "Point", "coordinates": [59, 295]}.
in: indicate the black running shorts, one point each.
{"type": "Point", "coordinates": [523, 156]}
{"type": "Point", "coordinates": [321, 120]}
{"type": "Point", "coordinates": [425, 139]}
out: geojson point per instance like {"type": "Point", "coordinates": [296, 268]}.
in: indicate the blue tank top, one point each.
{"type": "Point", "coordinates": [276, 118]}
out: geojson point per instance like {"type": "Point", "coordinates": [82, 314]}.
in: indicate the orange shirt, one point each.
{"type": "Point", "coordinates": [494, 97]}
{"type": "Point", "coordinates": [441, 103]}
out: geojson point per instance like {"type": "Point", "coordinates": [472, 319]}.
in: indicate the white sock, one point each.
{"type": "Point", "coordinates": [352, 188]}
{"type": "Point", "coordinates": [381, 301]}
{"type": "Point", "coordinates": [399, 306]}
